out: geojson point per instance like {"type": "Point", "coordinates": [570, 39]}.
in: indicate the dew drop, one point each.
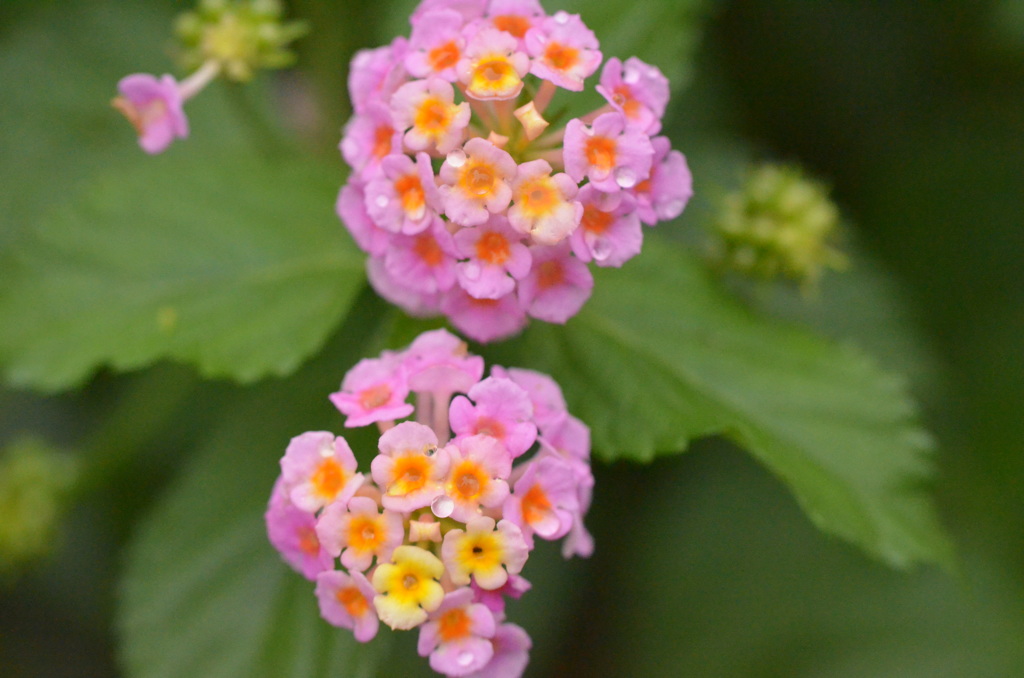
{"type": "Point", "coordinates": [327, 450]}
{"type": "Point", "coordinates": [456, 158]}
{"type": "Point", "coordinates": [631, 76]}
{"type": "Point", "coordinates": [464, 659]}
{"type": "Point", "coordinates": [382, 201]}
{"type": "Point", "coordinates": [561, 17]}
{"type": "Point", "coordinates": [625, 177]}
{"type": "Point", "coordinates": [672, 209]}
{"type": "Point", "coordinates": [471, 270]}
{"type": "Point", "coordinates": [442, 506]}
{"type": "Point", "coordinates": [601, 250]}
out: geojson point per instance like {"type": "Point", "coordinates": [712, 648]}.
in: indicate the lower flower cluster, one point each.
{"type": "Point", "coordinates": [436, 534]}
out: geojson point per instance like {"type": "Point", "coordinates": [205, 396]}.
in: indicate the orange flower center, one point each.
{"type": "Point", "coordinates": [453, 625]}
{"type": "Point", "coordinates": [550, 274]}
{"type": "Point", "coordinates": [329, 478]}
{"type": "Point", "coordinates": [382, 141]}
{"type": "Point", "coordinates": [410, 474]}
{"type": "Point", "coordinates": [445, 56]}
{"type": "Point", "coordinates": [512, 23]}
{"type": "Point", "coordinates": [561, 57]}
{"type": "Point", "coordinates": [493, 248]}
{"type": "Point", "coordinates": [375, 396]}
{"type": "Point", "coordinates": [410, 192]}
{"type": "Point", "coordinates": [595, 221]}
{"type": "Point", "coordinates": [536, 505]}
{"type": "Point", "coordinates": [470, 480]}
{"type": "Point", "coordinates": [623, 96]}
{"type": "Point", "coordinates": [426, 248]}
{"type": "Point", "coordinates": [539, 196]}
{"type": "Point", "coordinates": [489, 427]}
{"type": "Point", "coordinates": [353, 601]}
{"type": "Point", "coordinates": [363, 533]}
{"type": "Point", "coordinates": [477, 179]}
{"type": "Point", "coordinates": [433, 116]}
{"type": "Point", "coordinates": [601, 153]}
{"type": "Point", "coordinates": [308, 543]}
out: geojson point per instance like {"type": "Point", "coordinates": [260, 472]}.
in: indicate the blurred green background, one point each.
{"type": "Point", "coordinates": [913, 112]}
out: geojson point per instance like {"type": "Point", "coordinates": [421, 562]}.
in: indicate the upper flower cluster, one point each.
{"type": "Point", "coordinates": [436, 534]}
{"type": "Point", "coordinates": [468, 201]}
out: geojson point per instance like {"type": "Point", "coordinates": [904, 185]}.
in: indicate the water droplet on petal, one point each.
{"type": "Point", "coordinates": [456, 158]}
{"type": "Point", "coordinates": [561, 17]}
{"type": "Point", "coordinates": [625, 177]}
{"type": "Point", "coordinates": [601, 249]}
{"type": "Point", "coordinates": [631, 76]}
{"type": "Point", "coordinates": [464, 659]}
{"type": "Point", "coordinates": [442, 507]}
{"type": "Point", "coordinates": [672, 209]}
{"type": "Point", "coordinates": [327, 450]}
{"type": "Point", "coordinates": [382, 201]}
{"type": "Point", "coordinates": [471, 270]}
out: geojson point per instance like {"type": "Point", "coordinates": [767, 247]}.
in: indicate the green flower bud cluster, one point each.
{"type": "Point", "coordinates": [779, 224]}
{"type": "Point", "coordinates": [240, 36]}
{"type": "Point", "coordinates": [35, 481]}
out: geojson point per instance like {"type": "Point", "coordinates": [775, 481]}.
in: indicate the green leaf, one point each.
{"type": "Point", "coordinates": [660, 356]}
{"type": "Point", "coordinates": [227, 261]}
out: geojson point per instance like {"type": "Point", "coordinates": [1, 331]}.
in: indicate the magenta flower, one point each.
{"type": "Point", "coordinates": [154, 107]}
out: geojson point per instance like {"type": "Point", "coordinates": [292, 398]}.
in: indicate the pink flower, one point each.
{"type": "Point", "coordinates": [544, 500]}
{"type": "Point", "coordinates": [292, 531]}
{"type": "Point", "coordinates": [154, 107]}
{"type": "Point", "coordinates": [346, 601]}
{"type": "Point", "coordinates": [495, 259]}
{"type": "Point", "coordinates": [351, 208]}
{"type": "Point", "coordinates": [374, 390]}
{"type": "Point", "coordinates": [483, 319]}
{"type": "Point", "coordinates": [549, 409]}
{"type": "Point", "coordinates": [500, 409]}
{"type": "Point", "coordinates": [564, 51]}
{"type": "Point", "coordinates": [410, 469]}
{"type": "Point", "coordinates": [404, 198]}
{"type": "Point", "coordinates": [369, 137]}
{"type": "Point", "coordinates": [317, 469]}
{"type": "Point", "coordinates": [375, 74]}
{"type": "Point", "coordinates": [436, 44]}
{"type": "Point", "coordinates": [456, 635]}
{"type": "Point", "coordinates": [610, 232]}
{"type": "Point", "coordinates": [493, 67]}
{"type": "Point", "coordinates": [544, 207]}
{"type": "Point", "coordinates": [664, 194]}
{"type": "Point", "coordinates": [515, 17]}
{"type": "Point", "coordinates": [424, 262]}
{"type": "Point", "coordinates": [480, 466]}
{"type": "Point", "coordinates": [438, 361]}
{"type": "Point", "coordinates": [558, 285]}
{"type": "Point", "coordinates": [610, 154]}
{"type": "Point", "coordinates": [637, 90]}
{"type": "Point", "coordinates": [511, 653]}
{"type": "Point", "coordinates": [358, 532]}
{"type": "Point", "coordinates": [476, 182]}
{"type": "Point", "coordinates": [426, 111]}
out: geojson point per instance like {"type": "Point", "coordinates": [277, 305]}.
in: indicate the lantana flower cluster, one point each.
{"type": "Point", "coordinates": [435, 533]}
{"type": "Point", "coordinates": [469, 201]}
